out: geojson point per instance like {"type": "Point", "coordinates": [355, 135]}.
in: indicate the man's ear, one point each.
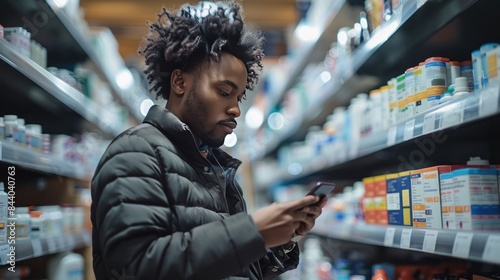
{"type": "Point", "coordinates": [177, 82]}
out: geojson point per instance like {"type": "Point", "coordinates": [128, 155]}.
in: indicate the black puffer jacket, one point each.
{"type": "Point", "coordinates": [160, 210]}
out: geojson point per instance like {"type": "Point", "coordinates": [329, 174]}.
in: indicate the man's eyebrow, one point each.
{"type": "Point", "coordinates": [233, 85]}
{"type": "Point", "coordinates": [230, 83]}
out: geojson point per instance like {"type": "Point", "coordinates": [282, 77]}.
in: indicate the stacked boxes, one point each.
{"type": "Point", "coordinates": [462, 197]}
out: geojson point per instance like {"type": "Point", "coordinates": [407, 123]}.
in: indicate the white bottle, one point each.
{"type": "Point", "coordinates": [37, 223]}
{"type": "Point", "coordinates": [461, 87]}
{"type": "Point", "coordinates": [477, 161]}
{"type": "Point", "coordinates": [21, 132]}
{"type": "Point", "coordinates": [23, 223]}
{"type": "Point", "coordinates": [3, 214]}
{"type": "Point", "coordinates": [66, 266]}
{"type": "Point", "coordinates": [10, 122]}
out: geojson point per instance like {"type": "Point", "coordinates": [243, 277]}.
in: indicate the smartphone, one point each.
{"type": "Point", "coordinates": [322, 189]}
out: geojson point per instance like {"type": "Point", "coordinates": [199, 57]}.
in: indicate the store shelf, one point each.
{"type": "Point", "coordinates": [29, 73]}
{"type": "Point", "coordinates": [340, 14]}
{"type": "Point", "coordinates": [330, 94]}
{"type": "Point", "coordinates": [121, 95]}
{"type": "Point", "coordinates": [31, 248]}
{"type": "Point", "coordinates": [407, 39]}
{"type": "Point", "coordinates": [471, 245]}
{"type": "Point", "coordinates": [65, 43]}
{"type": "Point", "coordinates": [30, 159]}
{"type": "Point", "coordinates": [472, 113]}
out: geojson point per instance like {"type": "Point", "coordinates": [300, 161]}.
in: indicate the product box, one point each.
{"type": "Point", "coordinates": [476, 199]}
{"type": "Point", "coordinates": [405, 190]}
{"type": "Point", "coordinates": [426, 196]}
{"type": "Point", "coordinates": [369, 200]}
{"type": "Point", "coordinates": [380, 187]}
{"type": "Point", "coordinates": [394, 209]}
{"type": "Point", "coordinates": [447, 182]}
{"type": "Point", "coordinates": [490, 53]}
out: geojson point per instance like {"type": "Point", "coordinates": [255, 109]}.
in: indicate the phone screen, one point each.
{"type": "Point", "coordinates": [322, 189]}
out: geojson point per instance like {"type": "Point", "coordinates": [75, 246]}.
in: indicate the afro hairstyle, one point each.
{"type": "Point", "coordinates": [194, 34]}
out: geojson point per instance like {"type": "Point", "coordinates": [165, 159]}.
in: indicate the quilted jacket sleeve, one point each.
{"type": "Point", "coordinates": [134, 222]}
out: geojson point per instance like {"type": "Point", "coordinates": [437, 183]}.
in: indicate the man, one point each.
{"type": "Point", "coordinates": [165, 201]}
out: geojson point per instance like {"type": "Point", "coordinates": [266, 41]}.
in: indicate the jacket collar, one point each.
{"type": "Point", "coordinates": [180, 134]}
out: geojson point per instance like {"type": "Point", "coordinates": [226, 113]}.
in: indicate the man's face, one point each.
{"type": "Point", "coordinates": [212, 99]}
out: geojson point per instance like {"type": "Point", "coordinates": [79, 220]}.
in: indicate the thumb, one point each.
{"type": "Point", "coordinates": [301, 202]}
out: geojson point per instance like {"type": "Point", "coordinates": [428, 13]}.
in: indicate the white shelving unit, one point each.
{"type": "Point", "coordinates": [31, 248]}
{"type": "Point", "coordinates": [469, 245]}
{"type": "Point", "coordinates": [464, 126]}
{"type": "Point", "coordinates": [60, 90]}
{"type": "Point", "coordinates": [25, 157]}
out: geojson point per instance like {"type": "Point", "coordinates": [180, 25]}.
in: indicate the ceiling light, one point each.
{"type": "Point", "coordinates": [145, 106]}
{"type": "Point", "coordinates": [254, 117]}
{"type": "Point", "coordinates": [231, 140]}
{"type": "Point", "coordinates": [276, 121]}
{"type": "Point", "coordinates": [124, 79]}
{"type": "Point", "coordinates": [306, 33]}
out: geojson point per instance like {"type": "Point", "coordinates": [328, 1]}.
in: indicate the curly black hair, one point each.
{"type": "Point", "coordinates": [196, 32]}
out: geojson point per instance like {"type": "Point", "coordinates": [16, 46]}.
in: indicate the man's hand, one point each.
{"type": "Point", "coordinates": [313, 212]}
{"type": "Point", "coordinates": [279, 221]}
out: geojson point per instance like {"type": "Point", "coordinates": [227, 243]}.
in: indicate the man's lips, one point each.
{"type": "Point", "coordinates": [231, 124]}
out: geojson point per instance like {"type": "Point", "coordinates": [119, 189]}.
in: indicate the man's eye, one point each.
{"type": "Point", "coordinates": [223, 93]}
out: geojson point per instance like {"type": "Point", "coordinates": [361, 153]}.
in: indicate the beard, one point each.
{"type": "Point", "coordinates": [199, 115]}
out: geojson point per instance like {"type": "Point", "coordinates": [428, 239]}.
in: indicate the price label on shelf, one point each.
{"type": "Point", "coordinates": [453, 115]}
{"type": "Point", "coordinates": [429, 123]}
{"type": "Point", "coordinates": [488, 104]}
{"type": "Point", "coordinates": [430, 240]}
{"type": "Point", "coordinates": [405, 238]}
{"type": "Point", "coordinates": [389, 236]}
{"type": "Point", "coordinates": [492, 249]}
{"type": "Point", "coordinates": [51, 244]}
{"type": "Point", "coordinates": [461, 246]}
{"type": "Point", "coordinates": [409, 126]}
{"type": "Point", "coordinates": [36, 244]}
{"type": "Point", "coordinates": [391, 136]}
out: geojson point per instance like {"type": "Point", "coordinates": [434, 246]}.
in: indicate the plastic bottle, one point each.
{"type": "Point", "coordinates": [10, 122]}
{"type": "Point", "coordinates": [37, 223]}
{"type": "Point", "coordinates": [454, 70]}
{"type": "Point", "coordinates": [461, 86]}
{"type": "Point", "coordinates": [66, 266]}
{"type": "Point", "coordinates": [3, 214]}
{"type": "Point", "coordinates": [21, 132]}
{"type": "Point", "coordinates": [23, 223]}
{"type": "Point", "coordinates": [477, 161]}
{"type": "Point", "coordinates": [68, 218]}
{"type": "Point", "coordinates": [35, 136]}
{"type": "Point", "coordinates": [466, 71]}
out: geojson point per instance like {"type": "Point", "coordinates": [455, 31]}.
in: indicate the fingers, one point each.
{"type": "Point", "coordinates": [301, 202]}
{"type": "Point", "coordinates": [313, 211]}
